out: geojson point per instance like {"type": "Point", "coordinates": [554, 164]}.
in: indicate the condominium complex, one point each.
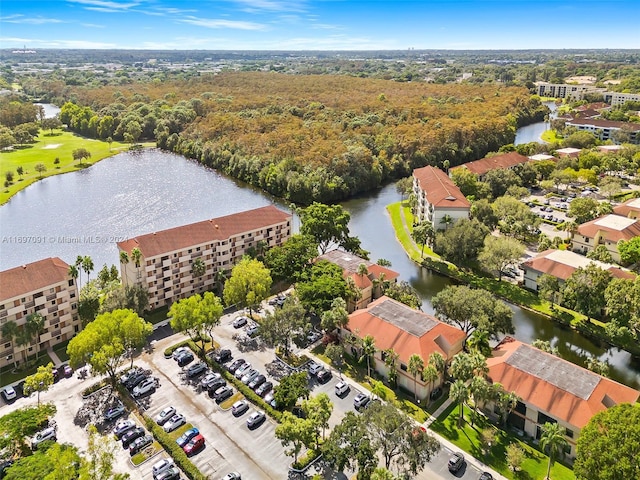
{"type": "Point", "coordinates": [181, 261]}
{"type": "Point", "coordinates": [43, 287]}
{"type": "Point", "coordinates": [607, 231]}
{"type": "Point", "coordinates": [439, 199]}
{"type": "Point", "coordinates": [502, 161]}
{"type": "Point", "coordinates": [577, 92]}
{"type": "Point", "coordinates": [606, 129]}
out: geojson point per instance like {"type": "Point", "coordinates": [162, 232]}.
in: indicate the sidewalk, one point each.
{"type": "Point", "coordinates": [56, 360]}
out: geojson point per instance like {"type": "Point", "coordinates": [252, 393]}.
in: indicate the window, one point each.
{"type": "Point", "coordinates": [569, 433]}
{"type": "Point", "coordinates": [7, 345]}
{"type": "Point", "coordinates": [71, 282]}
{"type": "Point", "coordinates": [403, 367]}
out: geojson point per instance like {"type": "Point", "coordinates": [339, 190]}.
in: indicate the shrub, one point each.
{"type": "Point", "coordinates": [174, 450]}
{"type": "Point", "coordinates": [94, 388]}
{"type": "Point", "coordinates": [303, 462]}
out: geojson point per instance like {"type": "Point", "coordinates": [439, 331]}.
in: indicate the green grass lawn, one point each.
{"type": "Point", "coordinates": [397, 211]}
{"type": "Point", "coordinates": [61, 351]}
{"type": "Point", "coordinates": [8, 376]}
{"type": "Point", "coordinates": [146, 454]}
{"type": "Point", "coordinates": [45, 150]}
{"type": "Point", "coordinates": [550, 136]}
{"type": "Point", "coordinates": [468, 439]}
{"type": "Point", "coordinates": [156, 316]}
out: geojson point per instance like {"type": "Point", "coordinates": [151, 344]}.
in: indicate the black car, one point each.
{"type": "Point", "coordinates": [222, 355]}
{"type": "Point", "coordinates": [455, 462]}
{"type": "Point", "coordinates": [256, 382]}
{"type": "Point", "coordinates": [134, 381]}
{"type": "Point", "coordinates": [140, 443]}
{"type": "Point", "coordinates": [173, 473]}
{"type": "Point", "coordinates": [131, 436]}
{"type": "Point", "coordinates": [123, 427]}
{"type": "Point", "coordinates": [215, 385]}
{"type": "Point", "coordinates": [324, 376]}
{"type": "Point", "coordinates": [185, 359]}
{"type": "Point", "coordinates": [486, 476]}
{"type": "Point", "coordinates": [4, 466]}
{"type": "Point", "coordinates": [265, 388]}
{"type": "Point", "coordinates": [236, 364]}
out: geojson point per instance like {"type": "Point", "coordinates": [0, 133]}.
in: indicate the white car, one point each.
{"type": "Point", "coordinates": [232, 476]}
{"type": "Point", "coordinates": [255, 419]}
{"type": "Point", "coordinates": [164, 416]}
{"type": "Point", "coordinates": [314, 368]}
{"type": "Point", "coordinates": [240, 322]}
{"type": "Point", "coordinates": [9, 393]}
{"type": "Point", "coordinates": [147, 386]}
{"type": "Point", "coordinates": [174, 422]}
{"type": "Point", "coordinates": [252, 329]}
{"type": "Point", "coordinates": [160, 466]}
{"type": "Point", "coordinates": [342, 388]}
{"type": "Point", "coordinates": [46, 434]}
{"type": "Point", "coordinates": [242, 370]}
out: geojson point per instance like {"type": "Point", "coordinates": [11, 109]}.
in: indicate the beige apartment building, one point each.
{"type": "Point", "coordinates": [607, 231]}
{"type": "Point", "coordinates": [185, 260]}
{"type": "Point", "coordinates": [438, 198]}
{"type": "Point", "coordinates": [43, 287]}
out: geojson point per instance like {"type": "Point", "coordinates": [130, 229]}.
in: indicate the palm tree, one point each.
{"type": "Point", "coordinates": [87, 266]}
{"type": "Point", "coordinates": [459, 394]}
{"type": "Point", "coordinates": [507, 401]}
{"type": "Point", "coordinates": [423, 234]}
{"type": "Point", "coordinates": [479, 365]}
{"type": "Point", "coordinates": [136, 256]}
{"type": "Point", "coordinates": [391, 361]}
{"type": "Point", "coordinates": [446, 221]}
{"type": "Point", "coordinates": [430, 375]}
{"type": "Point", "coordinates": [10, 332]}
{"type": "Point", "coordinates": [353, 292]}
{"type": "Point", "coordinates": [378, 389]}
{"type": "Point", "coordinates": [78, 266]}
{"type": "Point", "coordinates": [368, 346]}
{"type": "Point", "coordinates": [478, 342]}
{"type": "Point", "coordinates": [124, 260]}
{"type": "Point", "coordinates": [35, 325]}
{"type": "Point", "coordinates": [415, 367]}
{"type": "Point", "coordinates": [462, 367]}
{"type": "Point", "coordinates": [437, 360]}
{"type": "Point", "coordinates": [480, 390]}
{"type": "Point", "coordinates": [198, 268]}
{"type": "Point", "coordinates": [73, 272]}
{"type": "Point", "coordinates": [380, 284]}
{"type": "Point", "coordinates": [553, 439]}
{"type": "Point", "coordinates": [23, 339]}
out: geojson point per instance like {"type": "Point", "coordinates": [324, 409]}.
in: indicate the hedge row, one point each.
{"type": "Point", "coordinates": [173, 449]}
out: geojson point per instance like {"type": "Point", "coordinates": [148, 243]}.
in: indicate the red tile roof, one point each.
{"type": "Point", "coordinates": [32, 277]}
{"type": "Point", "coordinates": [222, 228]}
{"type": "Point", "coordinates": [505, 160]}
{"type": "Point", "coordinates": [591, 229]}
{"type": "Point", "coordinates": [634, 127]}
{"type": "Point", "coordinates": [407, 331]}
{"type": "Point", "coordinates": [632, 205]}
{"type": "Point", "coordinates": [559, 388]}
{"type": "Point", "coordinates": [439, 188]}
{"type": "Point", "coordinates": [545, 262]}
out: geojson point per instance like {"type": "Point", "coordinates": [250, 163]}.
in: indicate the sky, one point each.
{"type": "Point", "coordinates": [319, 24]}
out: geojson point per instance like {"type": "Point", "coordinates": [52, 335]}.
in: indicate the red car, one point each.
{"type": "Point", "coordinates": [194, 445]}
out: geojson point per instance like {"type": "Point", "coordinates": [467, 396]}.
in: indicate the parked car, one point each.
{"type": "Point", "coordinates": [215, 385]}
{"type": "Point", "coordinates": [185, 359]}
{"type": "Point", "coordinates": [129, 374]}
{"type": "Point", "coordinates": [196, 369]}
{"type": "Point", "coordinates": [139, 444]}
{"type": "Point", "coordinates": [131, 436]}
{"type": "Point", "coordinates": [361, 400]}
{"type": "Point", "coordinates": [486, 476]}
{"type": "Point", "coordinates": [164, 416]}
{"type": "Point", "coordinates": [342, 388]}
{"type": "Point", "coordinates": [68, 371]}
{"type": "Point", "coordinates": [9, 393]}
{"type": "Point", "coordinates": [455, 462]}
{"type": "Point", "coordinates": [249, 376]}
{"type": "Point", "coordinates": [135, 380]}
{"type": "Point", "coordinates": [324, 376]}
{"type": "Point", "coordinates": [240, 322]}
{"type": "Point", "coordinates": [270, 400]}
{"type": "Point", "coordinates": [256, 382]}
{"type": "Point", "coordinates": [239, 408]}
{"type": "Point", "coordinates": [48, 433]}
{"type": "Point", "coordinates": [313, 337]}
{"type": "Point", "coordinates": [313, 368]}
{"type": "Point", "coordinates": [172, 473]}
{"type": "Point", "coordinates": [194, 445]}
{"type": "Point", "coordinates": [179, 351]}
{"type": "Point", "coordinates": [252, 329]}
{"type": "Point", "coordinates": [255, 419]}
{"type": "Point", "coordinates": [145, 387]}
{"type": "Point", "coordinates": [161, 466]}
{"type": "Point", "coordinates": [174, 422]}
{"type": "Point", "coordinates": [222, 355]}
{"type": "Point", "coordinates": [265, 388]}
{"type": "Point", "coordinates": [236, 364]}
{"type": "Point", "coordinates": [123, 427]}
{"type": "Point", "coordinates": [208, 379]}
{"type": "Point", "coordinates": [222, 394]}
{"type": "Point", "coordinates": [232, 476]}
{"type": "Point", "coordinates": [244, 368]}
{"type": "Point", "coordinates": [183, 439]}
{"type": "Point", "coordinates": [114, 412]}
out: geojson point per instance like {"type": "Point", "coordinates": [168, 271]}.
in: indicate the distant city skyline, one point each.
{"type": "Point", "coordinates": [319, 24]}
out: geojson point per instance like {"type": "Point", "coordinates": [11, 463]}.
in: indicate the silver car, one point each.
{"type": "Point", "coordinates": [174, 422]}
{"type": "Point", "coordinates": [249, 376]}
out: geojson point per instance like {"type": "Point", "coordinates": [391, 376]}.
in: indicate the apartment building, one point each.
{"type": "Point", "coordinates": [565, 90]}
{"type": "Point", "coordinates": [551, 390]}
{"type": "Point", "coordinates": [42, 287]}
{"type": "Point", "coordinates": [607, 231]}
{"type": "Point", "coordinates": [369, 283]}
{"type": "Point", "coordinates": [629, 209]}
{"type": "Point", "coordinates": [189, 259]}
{"type": "Point", "coordinates": [484, 165]}
{"type": "Point", "coordinates": [606, 129]}
{"type": "Point", "coordinates": [616, 98]}
{"type": "Point", "coordinates": [406, 331]}
{"type": "Point", "coordinates": [438, 197]}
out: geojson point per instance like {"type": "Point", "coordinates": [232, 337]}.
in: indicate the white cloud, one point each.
{"type": "Point", "coordinates": [272, 5]}
{"type": "Point", "coordinates": [221, 23]}
{"type": "Point", "coordinates": [105, 5]}
{"type": "Point", "coordinates": [92, 25]}
{"type": "Point", "coordinates": [23, 19]}
{"type": "Point", "coordinates": [38, 43]}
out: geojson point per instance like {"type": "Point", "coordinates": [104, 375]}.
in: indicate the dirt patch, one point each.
{"type": "Point", "coordinates": [52, 146]}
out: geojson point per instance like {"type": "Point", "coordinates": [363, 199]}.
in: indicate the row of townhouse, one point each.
{"type": "Point", "coordinates": [165, 269]}
{"type": "Point", "coordinates": [549, 388]}
{"type": "Point", "coordinates": [577, 92]}
{"type": "Point", "coordinates": [45, 288]}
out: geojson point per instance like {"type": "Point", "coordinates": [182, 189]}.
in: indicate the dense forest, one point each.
{"type": "Point", "coordinates": [311, 137]}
